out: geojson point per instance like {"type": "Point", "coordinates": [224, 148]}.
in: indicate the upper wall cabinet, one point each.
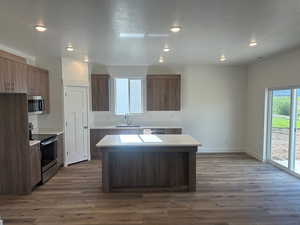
{"type": "Point", "coordinates": [100, 92]}
{"type": "Point", "coordinates": [38, 84]}
{"type": "Point", "coordinates": [45, 92]}
{"type": "Point", "coordinates": [18, 77]}
{"type": "Point", "coordinates": [13, 76]}
{"type": "Point", "coordinates": [163, 92]}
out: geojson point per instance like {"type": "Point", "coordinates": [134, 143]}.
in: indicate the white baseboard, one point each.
{"type": "Point", "coordinates": [253, 154]}
{"type": "Point", "coordinates": [220, 150]}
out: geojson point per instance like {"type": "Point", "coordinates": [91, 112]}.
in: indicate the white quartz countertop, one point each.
{"type": "Point", "coordinates": [137, 127]}
{"type": "Point", "coordinates": [44, 131]}
{"type": "Point", "coordinates": [147, 140]}
{"type": "Point", "coordinates": [32, 143]}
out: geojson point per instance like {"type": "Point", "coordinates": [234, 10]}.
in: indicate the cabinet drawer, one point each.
{"type": "Point", "coordinates": [35, 157]}
{"type": "Point", "coordinates": [166, 131]}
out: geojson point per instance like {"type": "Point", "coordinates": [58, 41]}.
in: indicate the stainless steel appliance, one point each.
{"type": "Point", "coordinates": [48, 148]}
{"type": "Point", "coordinates": [36, 105]}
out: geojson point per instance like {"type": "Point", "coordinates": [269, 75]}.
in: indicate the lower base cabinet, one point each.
{"type": "Point", "coordinates": [97, 134]}
{"type": "Point", "coordinates": [35, 158]}
{"type": "Point", "coordinates": [60, 150]}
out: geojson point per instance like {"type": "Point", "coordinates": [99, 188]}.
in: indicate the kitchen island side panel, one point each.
{"type": "Point", "coordinates": [134, 169]}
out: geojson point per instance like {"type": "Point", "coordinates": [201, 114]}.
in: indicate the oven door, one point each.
{"type": "Point", "coordinates": [49, 153]}
{"type": "Point", "coordinates": [36, 105]}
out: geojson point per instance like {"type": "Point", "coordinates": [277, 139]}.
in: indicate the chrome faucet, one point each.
{"type": "Point", "coordinates": [126, 119]}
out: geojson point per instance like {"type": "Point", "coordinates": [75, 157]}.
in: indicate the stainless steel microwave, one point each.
{"type": "Point", "coordinates": [36, 105]}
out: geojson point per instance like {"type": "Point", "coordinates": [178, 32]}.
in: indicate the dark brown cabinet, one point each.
{"type": "Point", "coordinates": [100, 92]}
{"type": "Point", "coordinates": [38, 84]}
{"type": "Point", "coordinates": [35, 165]}
{"type": "Point", "coordinates": [163, 92]}
{"type": "Point", "coordinates": [20, 77]}
{"type": "Point", "coordinates": [17, 77]}
{"type": "Point", "coordinates": [33, 80]}
{"type": "Point", "coordinates": [13, 76]}
{"type": "Point", "coordinates": [97, 134]}
{"type": "Point", "coordinates": [44, 88]}
{"type": "Point", "coordinates": [15, 172]}
{"type": "Point", "coordinates": [60, 150]}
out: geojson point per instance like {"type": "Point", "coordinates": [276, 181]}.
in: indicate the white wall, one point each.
{"type": "Point", "coordinates": [213, 100]}
{"type": "Point", "coordinates": [74, 72]}
{"type": "Point", "coordinates": [278, 71]}
{"type": "Point", "coordinates": [29, 59]}
{"type": "Point", "coordinates": [148, 118]}
{"type": "Point", "coordinates": [214, 106]}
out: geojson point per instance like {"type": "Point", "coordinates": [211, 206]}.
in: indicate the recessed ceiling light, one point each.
{"type": "Point", "coordinates": [175, 29]}
{"type": "Point", "coordinates": [40, 28]}
{"type": "Point", "coordinates": [161, 59]}
{"type": "Point", "coordinates": [167, 49]}
{"type": "Point", "coordinates": [222, 58]}
{"type": "Point", "coordinates": [253, 43]}
{"type": "Point", "coordinates": [70, 48]}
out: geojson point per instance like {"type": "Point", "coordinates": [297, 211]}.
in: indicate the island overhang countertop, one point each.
{"type": "Point", "coordinates": [147, 140]}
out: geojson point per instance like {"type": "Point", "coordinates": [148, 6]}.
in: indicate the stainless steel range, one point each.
{"type": "Point", "coordinates": [48, 148]}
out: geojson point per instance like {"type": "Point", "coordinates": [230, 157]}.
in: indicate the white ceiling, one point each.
{"type": "Point", "coordinates": [210, 28]}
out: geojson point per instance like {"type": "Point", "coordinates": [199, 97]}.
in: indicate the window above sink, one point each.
{"type": "Point", "coordinates": [128, 96]}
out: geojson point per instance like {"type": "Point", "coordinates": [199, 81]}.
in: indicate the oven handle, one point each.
{"type": "Point", "coordinates": [49, 142]}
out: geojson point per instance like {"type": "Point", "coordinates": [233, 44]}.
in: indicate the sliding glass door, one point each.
{"type": "Point", "coordinates": [284, 128]}
{"type": "Point", "coordinates": [280, 130]}
{"type": "Point", "coordinates": [297, 133]}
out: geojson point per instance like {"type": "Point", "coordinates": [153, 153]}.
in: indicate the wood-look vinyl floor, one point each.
{"type": "Point", "coordinates": [232, 189]}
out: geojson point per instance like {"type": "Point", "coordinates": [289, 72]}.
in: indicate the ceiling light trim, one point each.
{"type": "Point", "coordinates": [40, 28]}
{"type": "Point", "coordinates": [175, 29]}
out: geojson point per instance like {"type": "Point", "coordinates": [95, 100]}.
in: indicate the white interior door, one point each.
{"type": "Point", "coordinates": [76, 124]}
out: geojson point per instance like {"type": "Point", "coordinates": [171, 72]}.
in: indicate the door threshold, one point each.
{"type": "Point", "coordinates": [277, 165]}
{"type": "Point", "coordinates": [71, 164]}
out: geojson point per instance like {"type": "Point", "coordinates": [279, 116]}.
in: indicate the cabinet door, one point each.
{"type": "Point", "coordinates": [44, 88]}
{"type": "Point", "coordinates": [13, 76]}
{"type": "Point", "coordinates": [36, 173]}
{"type": "Point", "coordinates": [60, 150]}
{"type": "Point", "coordinates": [95, 136]}
{"type": "Point", "coordinates": [166, 131]}
{"type": "Point", "coordinates": [163, 92]}
{"type": "Point", "coordinates": [19, 77]}
{"type": "Point", "coordinates": [100, 92]}
{"type": "Point", "coordinates": [38, 84]}
{"type": "Point", "coordinates": [33, 81]}
{"type": "Point", "coordinates": [5, 77]}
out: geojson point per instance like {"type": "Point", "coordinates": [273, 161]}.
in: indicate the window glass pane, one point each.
{"type": "Point", "coordinates": [281, 104]}
{"type": "Point", "coordinates": [122, 96]}
{"type": "Point", "coordinates": [135, 96]}
{"type": "Point", "coordinates": [297, 163]}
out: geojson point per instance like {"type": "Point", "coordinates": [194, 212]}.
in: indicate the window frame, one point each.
{"type": "Point", "coordinates": [142, 79]}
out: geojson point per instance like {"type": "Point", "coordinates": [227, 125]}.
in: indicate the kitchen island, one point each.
{"type": "Point", "coordinates": [143, 163]}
